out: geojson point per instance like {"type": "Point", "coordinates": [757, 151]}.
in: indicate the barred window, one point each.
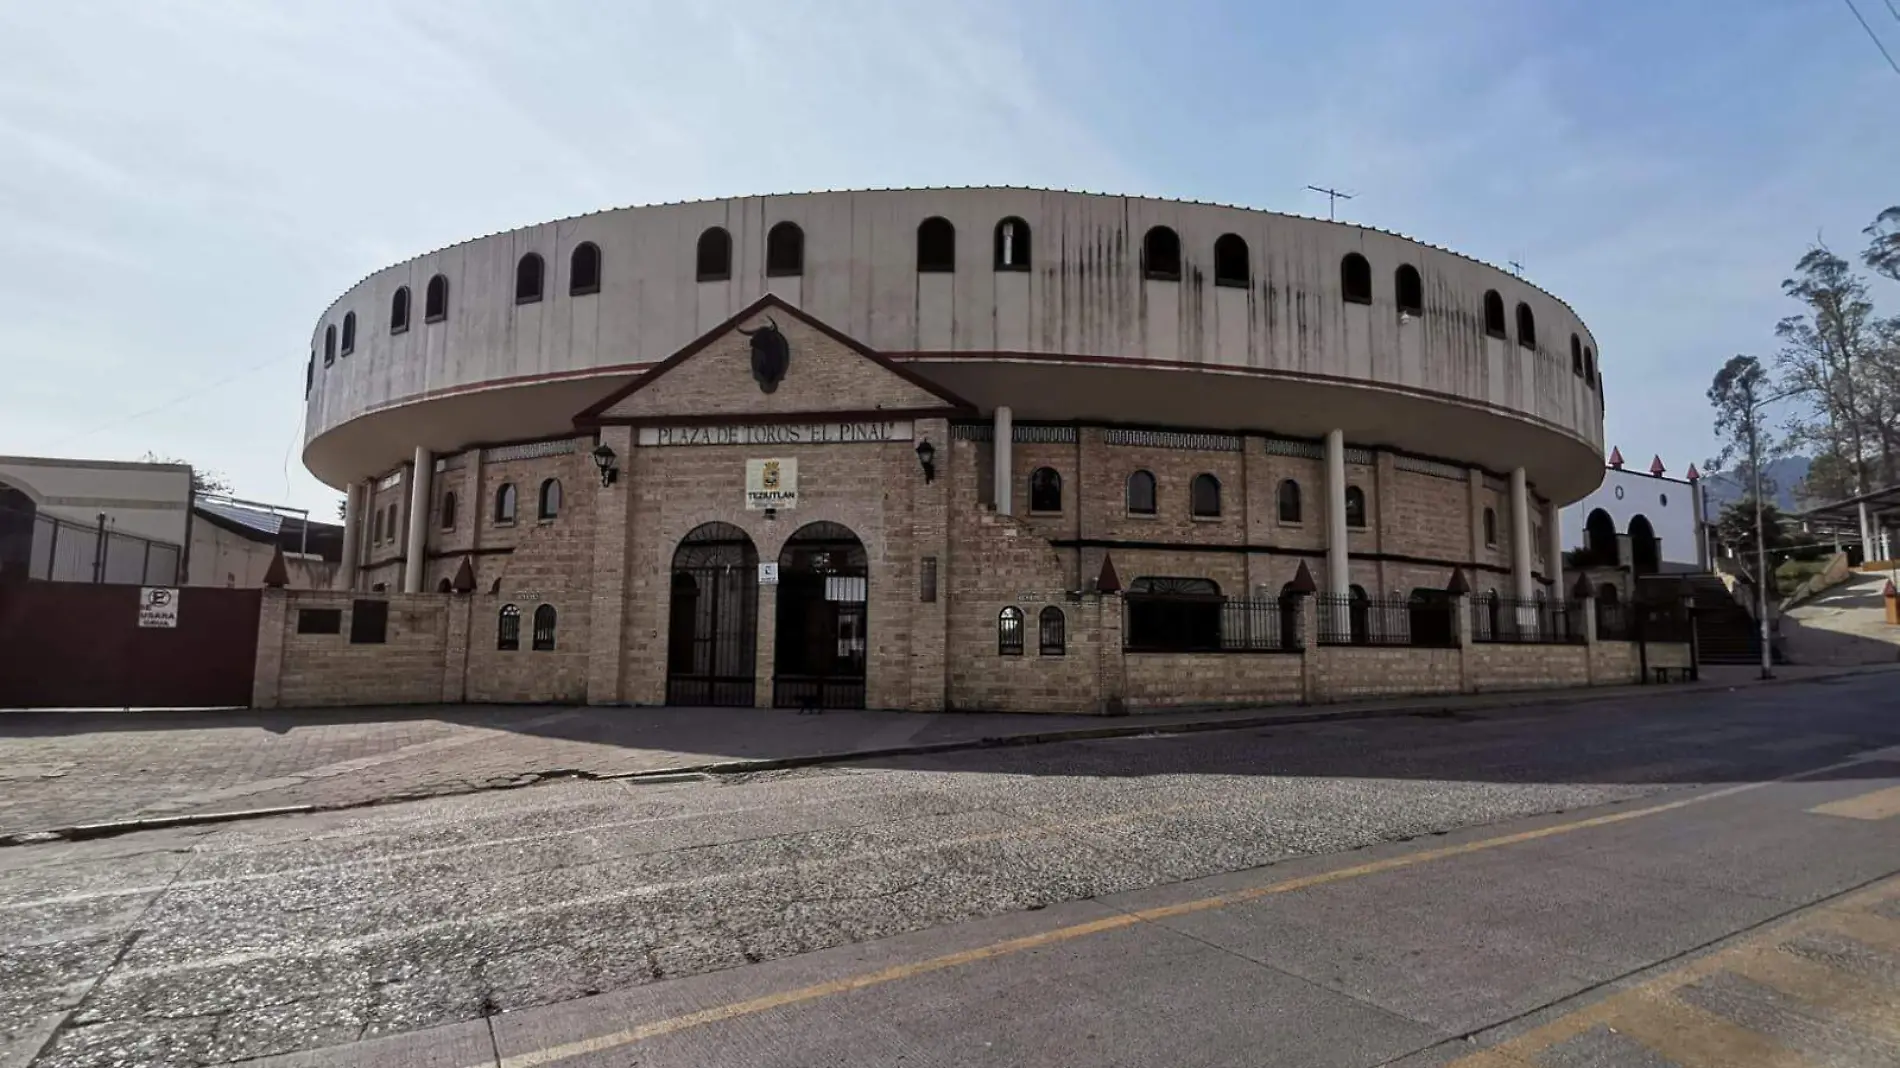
{"type": "Point", "coordinates": [1054, 632]}
{"type": "Point", "coordinates": [1355, 506]}
{"type": "Point", "coordinates": [1045, 490]}
{"type": "Point", "coordinates": [529, 273]}
{"type": "Point", "coordinates": [508, 628]}
{"type": "Point", "coordinates": [1289, 501]}
{"type": "Point", "coordinates": [1009, 632]}
{"type": "Point", "coordinates": [1355, 279]}
{"type": "Point", "coordinates": [583, 270]}
{"type": "Point", "coordinates": [544, 620]}
{"type": "Point", "coordinates": [1141, 493]}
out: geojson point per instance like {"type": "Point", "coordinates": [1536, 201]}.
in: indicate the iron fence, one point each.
{"type": "Point", "coordinates": [1424, 619]}
{"type": "Point", "coordinates": [1210, 625]}
{"type": "Point", "coordinates": [48, 548]}
{"type": "Point", "coordinates": [1507, 619]}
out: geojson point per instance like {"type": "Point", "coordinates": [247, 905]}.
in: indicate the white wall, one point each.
{"type": "Point", "coordinates": [146, 500]}
{"type": "Point", "coordinates": [1668, 504]}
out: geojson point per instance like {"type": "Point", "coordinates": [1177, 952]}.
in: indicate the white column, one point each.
{"type": "Point", "coordinates": [352, 522]}
{"type": "Point", "coordinates": [420, 478]}
{"type": "Point", "coordinates": [1004, 480]}
{"type": "Point", "coordinates": [1521, 534]}
{"type": "Point", "coordinates": [1868, 550]}
{"type": "Point", "coordinates": [1554, 551]}
{"type": "Point", "coordinates": [1338, 570]}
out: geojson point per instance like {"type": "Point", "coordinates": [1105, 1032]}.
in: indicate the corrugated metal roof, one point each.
{"type": "Point", "coordinates": [268, 523]}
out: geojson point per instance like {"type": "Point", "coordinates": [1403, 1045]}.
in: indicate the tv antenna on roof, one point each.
{"type": "Point", "coordinates": [1333, 197]}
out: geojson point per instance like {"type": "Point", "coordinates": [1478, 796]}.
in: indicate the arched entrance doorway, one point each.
{"type": "Point", "coordinates": [1645, 552]}
{"type": "Point", "coordinates": [823, 593]}
{"type": "Point", "coordinates": [713, 622]}
{"type": "Point", "coordinates": [1599, 539]}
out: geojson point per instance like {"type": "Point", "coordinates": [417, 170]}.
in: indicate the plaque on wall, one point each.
{"type": "Point", "coordinates": [771, 484]}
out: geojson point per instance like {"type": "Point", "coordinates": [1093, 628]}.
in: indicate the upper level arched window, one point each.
{"type": "Point", "coordinates": [1526, 326]}
{"type": "Point", "coordinates": [936, 245]}
{"type": "Point", "coordinates": [785, 250]}
{"type": "Point", "coordinates": [545, 619]}
{"type": "Point", "coordinates": [1408, 290]}
{"type": "Point", "coordinates": [713, 258]}
{"type": "Point", "coordinates": [448, 510]}
{"type": "Point", "coordinates": [1053, 632]}
{"type": "Point", "coordinates": [550, 503]}
{"type": "Point", "coordinates": [1141, 493]}
{"type": "Point", "coordinates": [1493, 313]}
{"type": "Point", "coordinates": [1161, 254]}
{"type": "Point", "coordinates": [435, 300]}
{"type": "Point", "coordinates": [1289, 501]}
{"type": "Point", "coordinates": [329, 345]}
{"type": "Point", "coordinates": [1589, 367]}
{"type": "Point", "coordinates": [529, 271]}
{"type": "Point", "coordinates": [349, 333]}
{"type": "Point", "coordinates": [1491, 527]}
{"type": "Point", "coordinates": [1232, 267]}
{"type": "Point", "coordinates": [310, 373]}
{"type": "Point", "coordinates": [583, 270]}
{"type": "Point", "coordinates": [1012, 244]}
{"type": "Point", "coordinates": [1204, 497]}
{"type": "Point", "coordinates": [1576, 355]}
{"type": "Point", "coordinates": [1355, 506]}
{"type": "Point", "coordinates": [399, 311]}
{"type": "Point", "coordinates": [1355, 279]}
{"type": "Point", "coordinates": [1045, 490]}
{"type": "Point", "coordinates": [505, 503]}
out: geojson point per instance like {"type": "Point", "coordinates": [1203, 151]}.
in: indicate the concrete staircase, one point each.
{"type": "Point", "coordinates": [1725, 631]}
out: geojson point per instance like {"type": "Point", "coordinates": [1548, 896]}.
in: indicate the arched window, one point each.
{"type": "Point", "coordinates": [1289, 501]}
{"type": "Point", "coordinates": [448, 510]}
{"type": "Point", "coordinates": [1161, 254]}
{"type": "Point", "coordinates": [1491, 527]}
{"type": "Point", "coordinates": [1054, 632]}
{"type": "Point", "coordinates": [443, 585]}
{"type": "Point", "coordinates": [1526, 326]}
{"type": "Point", "coordinates": [1576, 356]}
{"type": "Point", "coordinates": [544, 620]}
{"type": "Point", "coordinates": [1012, 245]}
{"type": "Point", "coordinates": [1589, 367]}
{"type": "Point", "coordinates": [376, 526]}
{"type": "Point", "coordinates": [508, 628]}
{"type": "Point", "coordinates": [1141, 493]}
{"type": "Point", "coordinates": [1493, 313]}
{"type": "Point", "coordinates": [528, 275]}
{"type": "Point", "coordinates": [349, 333]}
{"type": "Point", "coordinates": [583, 270]}
{"type": "Point", "coordinates": [1355, 506]}
{"type": "Point", "coordinates": [1045, 490]}
{"type": "Point", "coordinates": [550, 505]}
{"type": "Point", "coordinates": [1009, 632]}
{"type": "Point", "coordinates": [784, 250]}
{"type": "Point", "coordinates": [505, 503]}
{"type": "Point", "coordinates": [713, 259]}
{"type": "Point", "coordinates": [1408, 291]}
{"type": "Point", "coordinates": [310, 373]}
{"type": "Point", "coordinates": [435, 300]}
{"type": "Point", "coordinates": [329, 345]}
{"type": "Point", "coordinates": [399, 311]}
{"type": "Point", "coordinates": [1204, 497]}
{"type": "Point", "coordinates": [1232, 267]}
{"type": "Point", "coordinates": [1355, 279]}
{"type": "Point", "coordinates": [936, 246]}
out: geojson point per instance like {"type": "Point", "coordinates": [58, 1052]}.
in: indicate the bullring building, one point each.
{"type": "Point", "coordinates": [938, 448]}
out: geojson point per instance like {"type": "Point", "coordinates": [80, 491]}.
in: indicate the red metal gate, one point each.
{"type": "Point", "coordinates": [77, 645]}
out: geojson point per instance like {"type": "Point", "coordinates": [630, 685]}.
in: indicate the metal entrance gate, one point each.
{"type": "Point", "coordinates": [713, 624]}
{"type": "Point", "coordinates": [823, 592]}
{"type": "Point", "coordinates": [80, 645]}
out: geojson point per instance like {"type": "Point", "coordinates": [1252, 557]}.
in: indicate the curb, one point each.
{"type": "Point", "coordinates": [691, 772]}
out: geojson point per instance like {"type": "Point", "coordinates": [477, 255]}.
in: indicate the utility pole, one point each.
{"type": "Point", "coordinates": [1333, 197]}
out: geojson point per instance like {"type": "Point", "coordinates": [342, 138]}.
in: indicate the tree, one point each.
{"type": "Point", "coordinates": [1735, 529]}
{"type": "Point", "coordinates": [1883, 243]}
{"type": "Point", "coordinates": [1830, 478]}
{"type": "Point", "coordinates": [203, 480]}
{"type": "Point", "coordinates": [1830, 353]}
{"type": "Point", "coordinates": [1747, 444]}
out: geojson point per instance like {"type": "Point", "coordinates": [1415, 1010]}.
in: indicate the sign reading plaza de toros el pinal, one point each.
{"type": "Point", "coordinates": [828, 433]}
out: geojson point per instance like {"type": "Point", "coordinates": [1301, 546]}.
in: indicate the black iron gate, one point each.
{"type": "Point", "coordinates": [823, 595]}
{"type": "Point", "coordinates": [713, 625]}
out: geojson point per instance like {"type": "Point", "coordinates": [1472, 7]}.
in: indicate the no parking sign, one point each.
{"type": "Point", "coordinates": [158, 606]}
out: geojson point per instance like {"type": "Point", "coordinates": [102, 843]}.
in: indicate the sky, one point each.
{"type": "Point", "coordinates": [186, 185]}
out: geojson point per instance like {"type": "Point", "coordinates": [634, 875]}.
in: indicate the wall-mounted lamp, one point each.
{"type": "Point", "coordinates": [927, 456]}
{"type": "Point", "coordinates": [604, 461]}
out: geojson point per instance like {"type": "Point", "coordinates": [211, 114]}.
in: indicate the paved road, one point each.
{"type": "Point", "coordinates": [1515, 886]}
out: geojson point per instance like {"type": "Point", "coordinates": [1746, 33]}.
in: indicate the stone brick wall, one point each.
{"type": "Point", "coordinates": [1494, 666]}
{"type": "Point", "coordinates": [1344, 673]}
{"type": "Point", "coordinates": [327, 669]}
{"type": "Point", "coordinates": [1186, 680]}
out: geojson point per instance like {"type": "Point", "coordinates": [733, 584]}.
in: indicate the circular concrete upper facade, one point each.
{"type": "Point", "coordinates": [1061, 306]}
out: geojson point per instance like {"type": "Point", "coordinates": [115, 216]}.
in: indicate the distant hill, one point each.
{"type": "Point", "coordinates": [1786, 473]}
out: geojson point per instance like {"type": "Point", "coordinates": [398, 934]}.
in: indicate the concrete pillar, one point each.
{"type": "Point", "coordinates": [1005, 482]}
{"type": "Point", "coordinates": [1521, 535]}
{"type": "Point", "coordinates": [353, 505]}
{"type": "Point", "coordinates": [1554, 550]}
{"type": "Point", "coordinates": [1338, 569]}
{"type": "Point", "coordinates": [415, 563]}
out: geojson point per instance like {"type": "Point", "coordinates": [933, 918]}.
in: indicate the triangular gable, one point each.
{"type": "Point", "coordinates": [828, 374]}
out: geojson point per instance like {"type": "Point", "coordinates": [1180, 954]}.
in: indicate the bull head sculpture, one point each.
{"type": "Point", "coordinates": [771, 354]}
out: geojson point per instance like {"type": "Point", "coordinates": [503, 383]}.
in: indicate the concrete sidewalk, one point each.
{"type": "Point", "coordinates": [74, 774]}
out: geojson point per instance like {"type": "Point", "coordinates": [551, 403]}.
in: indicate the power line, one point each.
{"type": "Point", "coordinates": [1875, 38]}
{"type": "Point", "coordinates": [1894, 11]}
{"type": "Point", "coordinates": [194, 394]}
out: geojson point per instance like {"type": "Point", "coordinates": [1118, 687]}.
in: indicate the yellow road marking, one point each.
{"type": "Point", "coordinates": [1693, 1037]}
{"type": "Point", "coordinates": [895, 973]}
{"type": "Point", "coordinates": [1879, 805]}
{"type": "Point", "coordinates": [1876, 931]}
{"type": "Point", "coordinates": [1864, 1004]}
